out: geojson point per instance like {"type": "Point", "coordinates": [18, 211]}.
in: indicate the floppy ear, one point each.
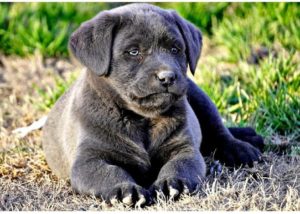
{"type": "Point", "coordinates": [192, 38]}
{"type": "Point", "coordinates": [92, 42]}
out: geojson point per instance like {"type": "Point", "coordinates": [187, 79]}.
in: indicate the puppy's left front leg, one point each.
{"type": "Point", "coordinates": [182, 173]}
{"type": "Point", "coordinates": [92, 174]}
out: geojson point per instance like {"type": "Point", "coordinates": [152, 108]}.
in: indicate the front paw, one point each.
{"type": "Point", "coordinates": [127, 193]}
{"type": "Point", "coordinates": [172, 187]}
{"type": "Point", "coordinates": [237, 153]}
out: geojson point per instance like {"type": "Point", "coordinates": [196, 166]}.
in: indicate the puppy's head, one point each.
{"type": "Point", "coordinates": [142, 51]}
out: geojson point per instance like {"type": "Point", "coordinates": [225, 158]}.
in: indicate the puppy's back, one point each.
{"type": "Point", "coordinates": [60, 132]}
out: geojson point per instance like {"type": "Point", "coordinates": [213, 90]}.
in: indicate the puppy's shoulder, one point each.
{"type": "Point", "coordinates": [193, 124]}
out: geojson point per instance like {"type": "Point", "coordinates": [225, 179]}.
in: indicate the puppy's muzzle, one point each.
{"type": "Point", "coordinates": [166, 78]}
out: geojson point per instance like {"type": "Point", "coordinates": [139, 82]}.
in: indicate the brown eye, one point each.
{"type": "Point", "coordinates": [174, 50]}
{"type": "Point", "coordinates": [134, 52]}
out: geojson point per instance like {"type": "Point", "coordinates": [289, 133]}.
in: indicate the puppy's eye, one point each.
{"type": "Point", "coordinates": [134, 52]}
{"type": "Point", "coordinates": [174, 50]}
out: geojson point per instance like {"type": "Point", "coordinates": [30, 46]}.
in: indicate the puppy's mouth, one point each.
{"type": "Point", "coordinates": [152, 104]}
{"type": "Point", "coordinates": [155, 101]}
{"type": "Point", "coordinates": [154, 97]}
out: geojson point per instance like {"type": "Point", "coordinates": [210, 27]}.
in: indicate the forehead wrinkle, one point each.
{"type": "Point", "coordinates": [149, 20]}
{"type": "Point", "coordinates": [165, 27]}
{"type": "Point", "coordinates": [149, 27]}
{"type": "Point", "coordinates": [138, 33]}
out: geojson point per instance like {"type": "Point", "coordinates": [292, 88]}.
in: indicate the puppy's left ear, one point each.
{"type": "Point", "coordinates": [92, 42]}
{"type": "Point", "coordinates": [192, 38]}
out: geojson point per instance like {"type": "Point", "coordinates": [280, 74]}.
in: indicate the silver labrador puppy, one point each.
{"type": "Point", "coordinates": [126, 127]}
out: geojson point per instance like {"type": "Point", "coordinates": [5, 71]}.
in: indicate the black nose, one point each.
{"type": "Point", "coordinates": [166, 78]}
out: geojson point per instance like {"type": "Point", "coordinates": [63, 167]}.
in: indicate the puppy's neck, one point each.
{"type": "Point", "coordinates": [101, 85]}
{"type": "Point", "coordinates": [103, 89]}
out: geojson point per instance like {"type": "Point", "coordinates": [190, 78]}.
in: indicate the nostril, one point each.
{"type": "Point", "coordinates": [166, 76]}
{"type": "Point", "coordinates": [173, 78]}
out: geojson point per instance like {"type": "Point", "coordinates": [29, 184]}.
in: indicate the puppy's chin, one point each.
{"type": "Point", "coordinates": [152, 105]}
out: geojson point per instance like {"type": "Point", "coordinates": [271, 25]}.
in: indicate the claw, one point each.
{"type": "Point", "coordinates": [127, 200]}
{"type": "Point", "coordinates": [173, 192]}
{"type": "Point", "coordinates": [186, 190]}
{"type": "Point", "coordinates": [104, 204]}
{"type": "Point", "coordinates": [159, 193]}
{"type": "Point", "coordinates": [141, 201]}
{"type": "Point", "coordinates": [114, 200]}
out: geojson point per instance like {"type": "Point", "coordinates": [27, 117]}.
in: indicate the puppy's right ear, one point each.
{"type": "Point", "coordinates": [192, 38]}
{"type": "Point", "coordinates": [92, 42]}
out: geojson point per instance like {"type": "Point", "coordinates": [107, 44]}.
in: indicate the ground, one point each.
{"type": "Point", "coordinates": [26, 182]}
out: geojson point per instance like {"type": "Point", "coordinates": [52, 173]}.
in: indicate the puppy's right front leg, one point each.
{"type": "Point", "coordinates": [93, 175]}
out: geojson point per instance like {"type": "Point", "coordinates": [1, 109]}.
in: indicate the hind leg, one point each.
{"type": "Point", "coordinates": [249, 135]}
{"type": "Point", "coordinates": [234, 146]}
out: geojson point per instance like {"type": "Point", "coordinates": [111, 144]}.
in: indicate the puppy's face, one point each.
{"type": "Point", "coordinates": [143, 52]}
{"type": "Point", "coordinates": [149, 63]}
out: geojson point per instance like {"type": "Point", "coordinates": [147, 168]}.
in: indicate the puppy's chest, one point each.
{"type": "Point", "coordinates": [150, 134]}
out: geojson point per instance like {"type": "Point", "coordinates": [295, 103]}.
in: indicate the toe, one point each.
{"type": "Point", "coordinates": [114, 200]}
{"type": "Point", "coordinates": [127, 200]}
{"type": "Point", "coordinates": [173, 192]}
{"type": "Point", "coordinates": [141, 201]}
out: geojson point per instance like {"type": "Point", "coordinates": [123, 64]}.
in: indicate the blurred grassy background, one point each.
{"type": "Point", "coordinates": [26, 27]}
{"type": "Point", "coordinates": [250, 67]}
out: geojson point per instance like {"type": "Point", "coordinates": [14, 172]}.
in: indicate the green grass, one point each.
{"type": "Point", "coordinates": [46, 27]}
{"type": "Point", "coordinates": [249, 25]}
{"type": "Point", "coordinates": [50, 95]}
{"type": "Point", "coordinates": [43, 27]}
{"type": "Point", "coordinates": [201, 14]}
{"type": "Point", "coordinates": [265, 95]}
